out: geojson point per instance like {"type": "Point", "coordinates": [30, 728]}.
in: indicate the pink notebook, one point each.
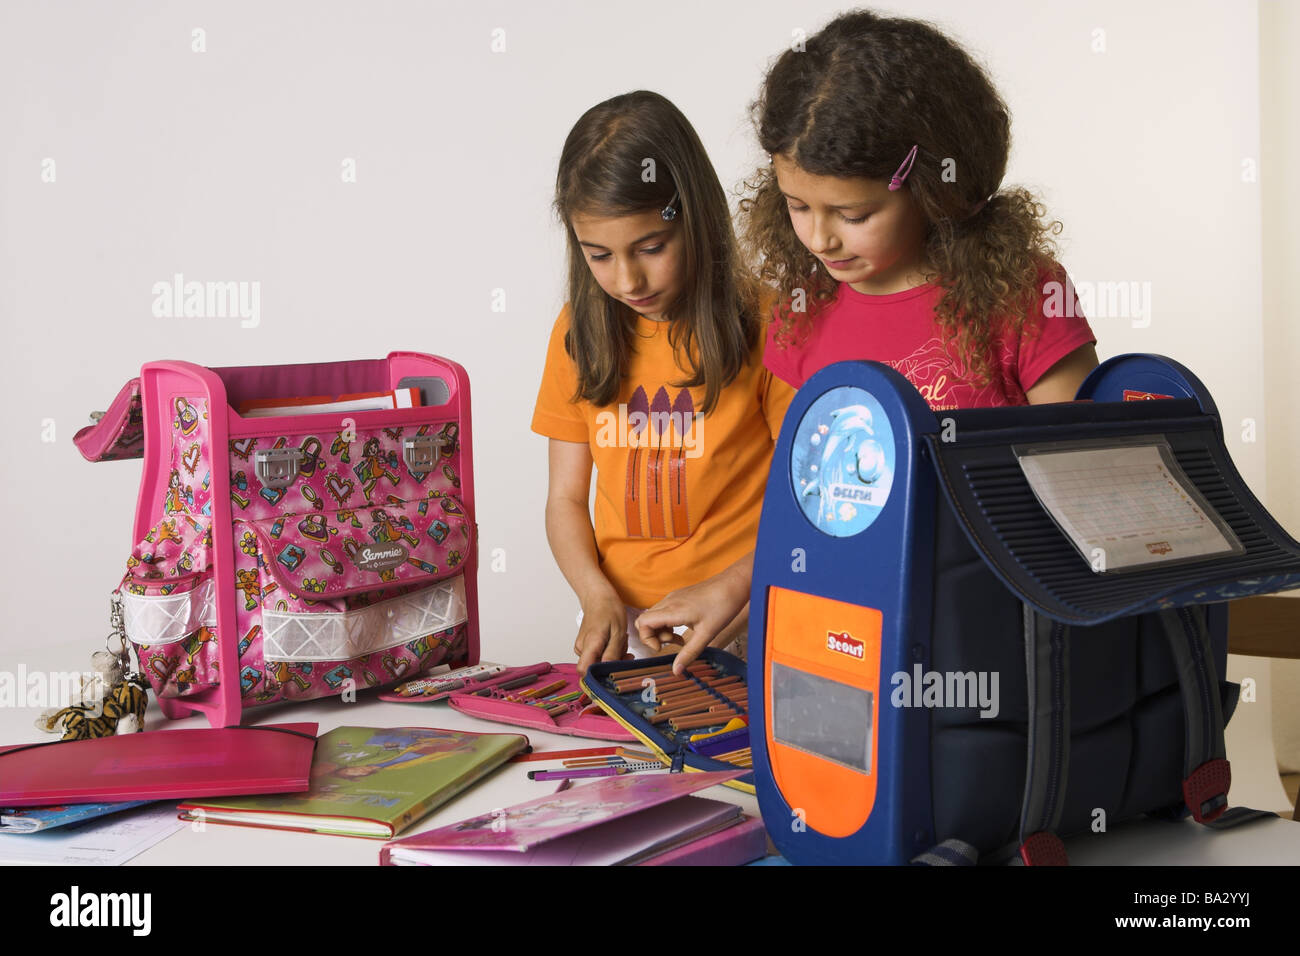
{"type": "Point", "coordinates": [159, 765]}
{"type": "Point", "coordinates": [742, 843]}
{"type": "Point", "coordinates": [616, 820]}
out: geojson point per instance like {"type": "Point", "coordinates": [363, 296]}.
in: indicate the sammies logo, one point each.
{"type": "Point", "coordinates": [1159, 547]}
{"type": "Point", "coordinates": [370, 558]}
{"type": "Point", "coordinates": [842, 643]}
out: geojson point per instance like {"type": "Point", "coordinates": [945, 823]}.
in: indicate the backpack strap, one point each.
{"type": "Point", "coordinates": [1207, 774]}
{"type": "Point", "coordinates": [1047, 762]}
{"type": "Point", "coordinates": [117, 433]}
{"type": "Point", "coordinates": [951, 852]}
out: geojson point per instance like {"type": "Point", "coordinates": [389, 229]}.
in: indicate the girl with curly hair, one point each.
{"type": "Point", "coordinates": [883, 224]}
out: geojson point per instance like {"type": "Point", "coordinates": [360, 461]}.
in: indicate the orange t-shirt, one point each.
{"type": "Point", "coordinates": [678, 495]}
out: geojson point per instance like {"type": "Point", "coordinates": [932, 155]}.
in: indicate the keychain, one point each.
{"type": "Point", "coordinates": [112, 700]}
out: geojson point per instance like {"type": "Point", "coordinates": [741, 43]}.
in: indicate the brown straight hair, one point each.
{"type": "Point", "coordinates": [624, 156]}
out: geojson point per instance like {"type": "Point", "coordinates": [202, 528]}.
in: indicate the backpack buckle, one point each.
{"type": "Point", "coordinates": [1044, 848]}
{"type": "Point", "coordinates": [1206, 789]}
{"type": "Point", "coordinates": [277, 467]}
{"type": "Point", "coordinates": [420, 452]}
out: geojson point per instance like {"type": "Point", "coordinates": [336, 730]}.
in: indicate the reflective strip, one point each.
{"type": "Point", "coordinates": [344, 635]}
{"type": "Point", "coordinates": [167, 618]}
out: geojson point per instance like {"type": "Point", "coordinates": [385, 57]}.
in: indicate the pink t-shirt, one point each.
{"type": "Point", "coordinates": [899, 330]}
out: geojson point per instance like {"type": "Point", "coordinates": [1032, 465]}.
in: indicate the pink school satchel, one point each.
{"type": "Point", "coordinates": [294, 556]}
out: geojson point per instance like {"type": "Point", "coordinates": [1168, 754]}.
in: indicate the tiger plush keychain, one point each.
{"type": "Point", "coordinates": [112, 700]}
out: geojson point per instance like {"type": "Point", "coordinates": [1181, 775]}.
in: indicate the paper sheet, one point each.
{"type": "Point", "coordinates": [107, 841]}
{"type": "Point", "coordinates": [1124, 506]}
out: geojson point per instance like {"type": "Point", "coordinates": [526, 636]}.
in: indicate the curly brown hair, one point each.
{"type": "Point", "coordinates": [715, 323]}
{"type": "Point", "coordinates": [852, 103]}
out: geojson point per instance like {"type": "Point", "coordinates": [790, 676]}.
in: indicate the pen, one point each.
{"type": "Point", "coordinates": [456, 677]}
{"type": "Point", "coordinates": [594, 772]}
{"type": "Point", "coordinates": [431, 687]}
{"type": "Point", "coordinates": [517, 682]}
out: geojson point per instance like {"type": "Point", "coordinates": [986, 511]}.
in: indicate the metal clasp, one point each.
{"type": "Point", "coordinates": [420, 452]}
{"type": "Point", "coordinates": [277, 467]}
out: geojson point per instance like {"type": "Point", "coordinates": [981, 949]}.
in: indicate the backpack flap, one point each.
{"type": "Point", "coordinates": [117, 433]}
{"type": "Point", "coordinates": [1016, 537]}
{"type": "Point", "coordinates": [336, 585]}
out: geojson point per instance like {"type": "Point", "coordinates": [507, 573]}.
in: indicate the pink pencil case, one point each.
{"type": "Point", "coordinates": [579, 718]}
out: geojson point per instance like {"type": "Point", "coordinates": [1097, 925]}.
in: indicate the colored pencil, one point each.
{"type": "Point", "coordinates": [691, 668]}
{"type": "Point", "coordinates": [635, 754]}
{"type": "Point", "coordinates": [550, 688]}
{"type": "Point", "coordinates": [561, 754]}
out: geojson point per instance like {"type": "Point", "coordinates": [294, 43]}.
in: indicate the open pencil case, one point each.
{"type": "Point", "coordinates": [624, 690]}
{"type": "Point", "coordinates": [575, 718]}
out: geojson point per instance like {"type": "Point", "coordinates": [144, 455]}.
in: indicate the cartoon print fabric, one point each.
{"type": "Point", "coordinates": [355, 526]}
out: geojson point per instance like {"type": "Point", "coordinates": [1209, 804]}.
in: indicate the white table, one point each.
{"type": "Point", "coordinates": [1273, 841]}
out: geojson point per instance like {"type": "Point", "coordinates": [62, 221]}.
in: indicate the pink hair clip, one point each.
{"type": "Point", "coordinates": [896, 181]}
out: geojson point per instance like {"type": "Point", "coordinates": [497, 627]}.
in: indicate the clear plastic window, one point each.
{"type": "Point", "coordinates": [822, 717]}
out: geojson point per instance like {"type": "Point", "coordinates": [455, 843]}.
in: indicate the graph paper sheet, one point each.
{"type": "Point", "coordinates": [1125, 506]}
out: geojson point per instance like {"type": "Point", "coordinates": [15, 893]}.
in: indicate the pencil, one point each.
{"type": "Point", "coordinates": [560, 754]}
{"type": "Point", "coordinates": [547, 689]}
{"type": "Point", "coordinates": [666, 669]}
{"type": "Point", "coordinates": [592, 772]}
{"type": "Point", "coordinates": [634, 754]}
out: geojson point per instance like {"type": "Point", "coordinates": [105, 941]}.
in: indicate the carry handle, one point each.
{"type": "Point", "coordinates": [116, 433]}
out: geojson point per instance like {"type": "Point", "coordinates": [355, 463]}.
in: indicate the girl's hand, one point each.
{"type": "Point", "coordinates": [602, 636]}
{"type": "Point", "coordinates": [713, 611]}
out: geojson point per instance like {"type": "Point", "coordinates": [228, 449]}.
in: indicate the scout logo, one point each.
{"type": "Point", "coordinates": [1131, 395]}
{"type": "Point", "coordinates": [844, 644]}
{"type": "Point", "coordinates": [374, 558]}
{"type": "Point", "coordinates": [1159, 547]}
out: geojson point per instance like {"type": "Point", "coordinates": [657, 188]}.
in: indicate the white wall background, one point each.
{"type": "Point", "coordinates": [225, 165]}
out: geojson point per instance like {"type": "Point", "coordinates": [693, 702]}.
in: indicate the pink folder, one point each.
{"type": "Point", "coordinates": [737, 845]}
{"type": "Point", "coordinates": [159, 765]}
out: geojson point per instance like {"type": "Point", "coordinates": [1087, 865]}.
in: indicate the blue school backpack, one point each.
{"type": "Point", "coordinates": [940, 673]}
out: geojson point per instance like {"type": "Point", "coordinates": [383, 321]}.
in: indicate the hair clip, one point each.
{"type": "Point", "coordinates": [670, 212]}
{"type": "Point", "coordinates": [896, 181]}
